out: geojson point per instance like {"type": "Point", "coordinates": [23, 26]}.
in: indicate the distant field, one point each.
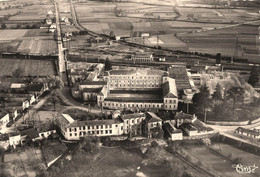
{"type": "Point", "coordinates": [38, 46]}
{"type": "Point", "coordinates": [28, 67]}
{"type": "Point", "coordinates": [6, 35]}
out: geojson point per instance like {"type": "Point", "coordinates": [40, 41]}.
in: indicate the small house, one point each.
{"type": "Point", "coordinates": [174, 133]}
{"type": "Point", "coordinates": [247, 132]}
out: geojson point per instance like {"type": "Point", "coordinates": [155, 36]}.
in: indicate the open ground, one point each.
{"type": "Point", "coordinates": [27, 67]}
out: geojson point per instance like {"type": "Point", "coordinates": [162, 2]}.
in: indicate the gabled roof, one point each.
{"type": "Point", "coordinates": [182, 115]}
{"type": "Point", "coordinates": [78, 123]}
{"type": "Point", "coordinates": [44, 127]}
{"type": "Point", "coordinates": [142, 71]}
{"type": "Point", "coordinates": [93, 83]}
{"type": "Point", "coordinates": [152, 117]}
{"type": "Point", "coordinates": [252, 132]}
{"type": "Point", "coordinates": [171, 129]}
{"type": "Point", "coordinates": [169, 89]}
{"type": "Point", "coordinates": [68, 118]}
{"type": "Point", "coordinates": [35, 87]}
{"type": "Point", "coordinates": [189, 127]}
{"type": "Point", "coordinates": [3, 113]}
{"type": "Point", "coordinates": [92, 90]}
{"type": "Point", "coordinates": [31, 133]}
{"type": "Point", "coordinates": [132, 116]}
{"type": "Point", "coordinates": [4, 137]}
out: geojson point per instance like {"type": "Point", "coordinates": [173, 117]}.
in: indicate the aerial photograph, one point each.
{"type": "Point", "coordinates": [129, 88]}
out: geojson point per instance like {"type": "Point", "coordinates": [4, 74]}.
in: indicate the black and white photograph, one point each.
{"type": "Point", "coordinates": [129, 88]}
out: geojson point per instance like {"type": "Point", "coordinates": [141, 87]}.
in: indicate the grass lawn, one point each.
{"type": "Point", "coordinates": [247, 158]}
{"type": "Point", "coordinates": [113, 162]}
{"type": "Point", "coordinates": [215, 163]}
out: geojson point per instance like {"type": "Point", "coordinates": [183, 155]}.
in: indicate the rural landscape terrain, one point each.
{"type": "Point", "coordinates": [133, 88]}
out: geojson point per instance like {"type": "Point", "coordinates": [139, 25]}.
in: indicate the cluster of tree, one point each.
{"type": "Point", "coordinates": [90, 144]}
{"type": "Point", "coordinates": [218, 102]}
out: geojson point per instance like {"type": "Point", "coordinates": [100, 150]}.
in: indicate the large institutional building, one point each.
{"type": "Point", "coordinates": [135, 124]}
{"type": "Point", "coordinates": [140, 88]}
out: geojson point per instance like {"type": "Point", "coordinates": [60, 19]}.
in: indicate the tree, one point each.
{"type": "Point", "coordinates": [217, 95]}
{"type": "Point", "coordinates": [3, 26]}
{"type": "Point", "coordinates": [17, 73]}
{"type": "Point", "coordinates": [254, 76]}
{"type": "Point", "coordinates": [112, 35]}
{"type": "Point", "coordinates": [108, 65]}
{"type": "Point", "coordinates": [201, 100]}
{"type": "Point", "coordinates": [237, 94]}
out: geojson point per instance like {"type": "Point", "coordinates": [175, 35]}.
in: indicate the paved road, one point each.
{"type": "Point", "coordinates": [30, 112]}
{"type": "Point", "coordinates": [229, 132]}
{"type": "Point", "coordinates": [59, 39]}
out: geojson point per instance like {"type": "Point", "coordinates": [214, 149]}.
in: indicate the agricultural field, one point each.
{"type": "Point", "coordinates": [34, 41]}
{"type": "Point", "coordinates": [27, 67]}
{"type": "Point", "coordinates": [215, 162]}
{"type": "Point", "coordinates": [223, 40]}
{"type": "Point", "coordinates": [38, 46]}
{"type": "Point", "coordinates": [8, 35]}
{"type": "Point", "coordinates": [196, 29]}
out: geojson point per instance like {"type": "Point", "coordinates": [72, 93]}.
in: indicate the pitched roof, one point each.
{"type": "Point", "coordinates": [189, 127]}
{"type": "Point", "coordinates": [169, 89]}
{"type": "Point", "coordinates": [35, 87]}
{"type": "Point", "coordinates": [93, 83]}
{"type": "Point", "coordinates": [252, 132]}
{"type": "Point", "coordinates": [132, 116]}
{"type": "Point", "coordinates": [171, 129]}
{"type": "Point", "coordinates": [92, 90]}
{"type": "Point", "coordinates": [179, 73]}
{"type": "Point", "coordinates": [32, 133]}
{"type": "Point", "coordinates": [141, 71]}
{"type": "Point", "coordinates": [182, 115]}
{"type": "Point", "coordinates": [3, 113]}
{"type": "Point", "coordinates": [68, 118]}
{"type": "Point", "coordinates": [78, 123]}
{"type": "Point", "coordinates": [152, 117]}
{"type": "Point", "coordinates": [4, 137]}
{"type": "Point", "coordinates": [44, 127]}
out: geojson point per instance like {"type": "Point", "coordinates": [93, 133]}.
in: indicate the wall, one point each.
{"type": "Point", "coordinates": [228, 123]}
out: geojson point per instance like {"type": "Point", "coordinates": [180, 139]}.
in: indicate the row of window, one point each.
{"type": "Point", "coordinates": [144, 105]}
{"type": "Point", "coordinates": [170, 101]}
{"type": "Point", "coordinates": [137, 81]}
{"type": "Point", "coordinates": [133, 77]}
{"type": "Point", "coordinates": [101, 132]}
{"type": "Point", "coordinates": [136, 85]}
{"type": "Point", "coordinates": [91, 127]}
{"type": "Point", "coordinates": [133, 121]}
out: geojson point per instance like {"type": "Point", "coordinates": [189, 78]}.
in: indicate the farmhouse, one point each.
{"type": "Point", "coordinates": [247, 132]}
{"type": "Point", "coordinates": [174, 133]}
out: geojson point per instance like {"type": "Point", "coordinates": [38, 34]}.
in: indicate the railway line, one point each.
{"type": "Point", "coordinates": [175, 55]}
